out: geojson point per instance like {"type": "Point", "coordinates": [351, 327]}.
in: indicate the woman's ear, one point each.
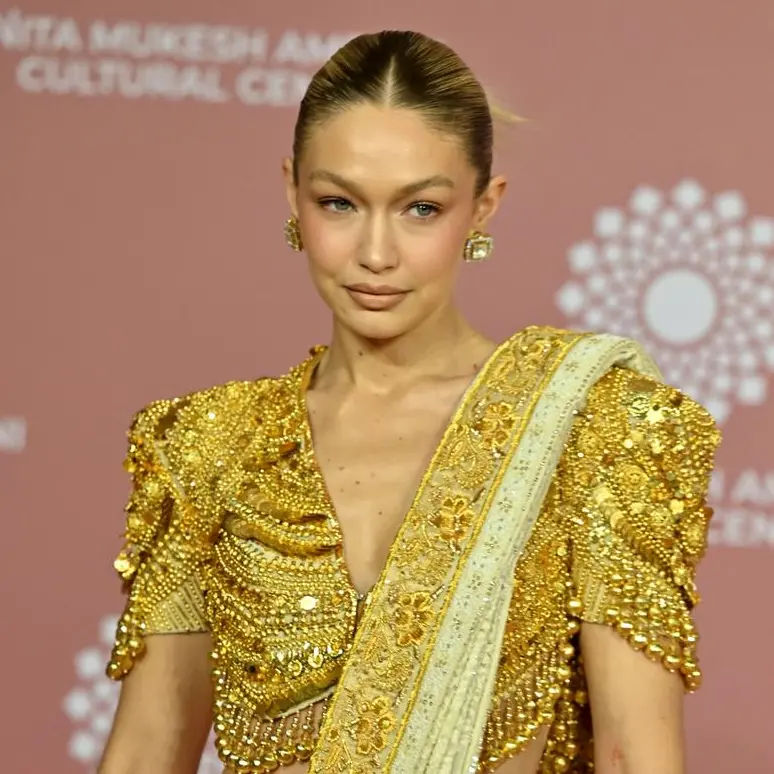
{"type": "Point", "coordinates": [290, 185]}
{"type": "Point", "coordinates": [488, 202]}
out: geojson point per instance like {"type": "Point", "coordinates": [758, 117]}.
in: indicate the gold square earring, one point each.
{"type": "Point", "coordinates": [478, 247]}
{"type": "Point", "coordinates": [293, 234]}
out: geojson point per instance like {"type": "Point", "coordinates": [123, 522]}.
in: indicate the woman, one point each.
{"type": "Point", "coordinates": [418, 551]}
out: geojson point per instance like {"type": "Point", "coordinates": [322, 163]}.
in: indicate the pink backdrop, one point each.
{"type": "Point", "coordinates": [142, 256]}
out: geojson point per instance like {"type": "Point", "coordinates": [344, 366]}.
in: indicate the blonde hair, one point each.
{"type": "Point", "coordinates": [405, 70]}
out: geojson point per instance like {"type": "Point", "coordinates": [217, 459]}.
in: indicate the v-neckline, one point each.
{"type": "Point", "coordinates": [307, 375]}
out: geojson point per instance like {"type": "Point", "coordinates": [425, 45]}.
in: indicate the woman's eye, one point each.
{"type": "Point", "coordinates": [425, 210]}
{"type": "Point", "coordinates": [336, 205]}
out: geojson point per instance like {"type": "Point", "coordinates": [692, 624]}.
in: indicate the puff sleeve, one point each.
{"type": "Point", "coordinates": [634, 477]}
{"type": "Point", "coordinates": [164, 546]}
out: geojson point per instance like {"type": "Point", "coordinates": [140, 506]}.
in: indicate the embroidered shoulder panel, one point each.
{"type": "Point", "coordinates": [176, 450]}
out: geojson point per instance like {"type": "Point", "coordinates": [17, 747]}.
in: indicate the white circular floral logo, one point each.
{"type": "Point", "coordinates": [92, 703]}
{"type": "Point", "coordinates": [691, 277]}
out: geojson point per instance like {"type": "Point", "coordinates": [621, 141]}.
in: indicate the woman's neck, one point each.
{"type": "Point", "coordinates": [445, 348]}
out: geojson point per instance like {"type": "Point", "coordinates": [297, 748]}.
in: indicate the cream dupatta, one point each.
{"type": "Point", "coordinates": [416, 691]}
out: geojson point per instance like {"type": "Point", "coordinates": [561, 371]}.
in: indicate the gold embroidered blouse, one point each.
{"type": "Point", "coordinates": [230, 529]}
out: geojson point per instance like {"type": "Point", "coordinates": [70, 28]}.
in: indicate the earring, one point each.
{"type": "Point", "coordinates": [293, 234]}
{"type": "Point", "coordinates": [478, 247]}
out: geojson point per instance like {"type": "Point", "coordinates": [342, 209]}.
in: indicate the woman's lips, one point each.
{"type": "Point", "coordinates": [376, 299]}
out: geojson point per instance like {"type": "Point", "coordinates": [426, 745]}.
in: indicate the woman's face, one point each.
{"type": "Point", "coordinates": [385, 204]}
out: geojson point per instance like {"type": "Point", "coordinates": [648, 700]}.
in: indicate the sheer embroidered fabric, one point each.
{"type": "Point", "coordinates": [229, 529]}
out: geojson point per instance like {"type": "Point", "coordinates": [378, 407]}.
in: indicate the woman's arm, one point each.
{"type": "Point", "coordinates": [636, 707]}
{"type": "Point", "coordinates": [161, 652]}
{"type": "Point", "coordinates": [164, 713]}
{"type": "Point", "coordinates": [634, 481]}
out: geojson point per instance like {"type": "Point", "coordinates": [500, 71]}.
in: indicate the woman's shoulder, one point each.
{"type": "Point", "coordinates": [211, 407]}
{"type": "Point", "coordinates": [637, 397]}
{"type": "Point", "coordinates": [637, 465]}
{"type": "Point", "coordinates": [651, 422]}
{"type": "Point", "coordinates": [645, 442]}
{"type": "Point", "coordinates": [622, 388]}
{"type": "Point", "coordinates": [217, 410]}
{"type": "Point", "coordinates": [625, 405]}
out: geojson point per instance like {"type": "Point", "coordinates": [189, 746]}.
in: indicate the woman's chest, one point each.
{"type": "Point", "coordinates": [372, 459]}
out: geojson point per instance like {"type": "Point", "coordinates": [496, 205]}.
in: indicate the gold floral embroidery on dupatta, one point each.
{"type": "Point", "coordinates": [366, 716]}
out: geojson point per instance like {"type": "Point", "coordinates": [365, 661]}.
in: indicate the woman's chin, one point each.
{"type": "Point", "coordinates": [376, 326]}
